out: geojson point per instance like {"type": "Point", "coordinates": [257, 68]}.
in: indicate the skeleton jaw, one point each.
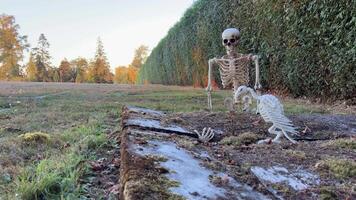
{"type": "Point", "coordinates": [231, 51]}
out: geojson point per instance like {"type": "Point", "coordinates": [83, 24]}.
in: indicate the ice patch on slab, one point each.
{"type": "Point", "coordinates": [154, 124]}
{"type": "Point", "coordinates": [145, 111]}
{"type": "Point", "coordinates": [193, 178]}
{"type": "Point", "coordinates": [185, 169]}
{"type": "Point", "coordinates": [5, 110]}
{"type": "Point", "coordinates": [244, 191]}
{"type": "Point", "coordinates": [298, 180]}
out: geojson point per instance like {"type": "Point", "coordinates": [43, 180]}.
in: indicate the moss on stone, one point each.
{"type": "Point", "coordinates": [35, 137]}
{"type": "Point", "coordinates": [300, 155]}
{"type": "Point", "coordinates": [327, 193]}
{"type": "Point", "coordinates": [342, 143]}
{"type": "Point", "coordinates": [243, 139]}
{"type": "Point", "coordinates": [340, 168]}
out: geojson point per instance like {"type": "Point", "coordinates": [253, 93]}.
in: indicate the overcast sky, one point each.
{"type": "Point", "coordinates": [73, 26]}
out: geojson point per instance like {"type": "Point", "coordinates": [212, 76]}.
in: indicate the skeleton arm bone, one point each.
{"type": "Point", "coordinates": [208, 88]}
{"type": "Point", "coordinates": [257, 83]}
{"type": "Point", "coordinates": [211, 63]}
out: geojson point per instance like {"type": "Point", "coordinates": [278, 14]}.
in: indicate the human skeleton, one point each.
{"type": "Point", "coordinates": [233, 67]}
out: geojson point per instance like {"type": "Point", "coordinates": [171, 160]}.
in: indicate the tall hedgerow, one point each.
{"type": "Point", "coordinates": [307, 47]}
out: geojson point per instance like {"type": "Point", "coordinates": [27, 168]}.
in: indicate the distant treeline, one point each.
{"type": "Point", "coordinates": [40, 68]}
{"type": "Point", "coordinates": [307, 47]}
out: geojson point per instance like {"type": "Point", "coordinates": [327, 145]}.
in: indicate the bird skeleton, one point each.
{"type": "Point", "coordinates": [229, 104]}
{"type": "Point", "coordinates": [233, 67]}
{"type": "Point", "coordinates": [247, 102]}
{"type": "Point", "coordinates": [206, 135]}
{"type": "Point", "coordinates": [271, 111]}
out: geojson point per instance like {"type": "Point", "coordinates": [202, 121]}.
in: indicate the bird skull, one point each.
{"type": "Point", "coordinates": [230, 38]}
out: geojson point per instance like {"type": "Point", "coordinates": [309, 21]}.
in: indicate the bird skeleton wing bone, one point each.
{"type": "Point", "coordinates": [275, 116]}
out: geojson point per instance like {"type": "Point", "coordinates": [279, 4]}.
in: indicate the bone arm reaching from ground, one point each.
{"type": "Point", "coordinates": [206, 135]}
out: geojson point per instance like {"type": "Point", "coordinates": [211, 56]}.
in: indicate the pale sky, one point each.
{"type": "Point", "coordinates": [73, 26]}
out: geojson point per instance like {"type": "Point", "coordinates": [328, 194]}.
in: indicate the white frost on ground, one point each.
{"type": "Point", "coordinates": [244, 191]}
{"type": "Point", "coordinates": [145, 111]}
{"type": "Point", "coordinates": [5, 110]}
{"type": "Point", "coordinates": [298, 179]}
{"type": "Point", "coordinates": [193, 178]}
{"type": "Point", "coordinates": [155, 124]}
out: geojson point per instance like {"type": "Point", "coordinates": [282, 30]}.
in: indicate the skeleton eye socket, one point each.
{"type": "Point", "coordinates": [226, 41]}
{"type": "Point", "coordinates": [232, 40]}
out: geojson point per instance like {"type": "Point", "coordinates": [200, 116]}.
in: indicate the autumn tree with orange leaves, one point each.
{"type": "Point", "coordinates": [99, 69]}
{"type": "Point", "coordinates": [128, 75]}
{"type": "Point", "coordinates": [12, 45]}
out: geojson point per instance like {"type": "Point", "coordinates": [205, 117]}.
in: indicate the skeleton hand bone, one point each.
{"type": "Point", "coordinates": [206, 135]}
{"type": "Point", "coordinates": [258, 86]}
{"type": "Point", "coordinates": [208, 88]}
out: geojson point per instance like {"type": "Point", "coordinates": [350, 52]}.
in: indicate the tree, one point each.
{"type": "Point", "coordinates": [128, 75]}
{"type": "Point", "coordinates": [65, 71]}
{"type": "Point", "coordinates": [56, 77]}
{"type": "Point", "coordinates": [31, 69]}
{"type": "Point", "coordinates": [125, 75]}
{"type": "Point", "coordinates": [121, 75]}
{"type": "Point", "coordinates": [12, 45]}
{"type": "Point", "coordinates": [42, 59]}
{"type": "Point", "coordinates": [140, 56]}
{"type": "Point", "coordinates": [99, 70]}
{"type": "Point", "coordinates": [80, 69]}
{"type": "Point", "coordinates": [132, 74]}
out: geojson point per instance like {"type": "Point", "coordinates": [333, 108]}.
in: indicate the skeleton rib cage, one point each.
{"type": "Point", "coordinates": [234, 71]}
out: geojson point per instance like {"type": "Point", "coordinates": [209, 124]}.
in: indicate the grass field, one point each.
{"type": "Point", "coordinates": [54, 135]}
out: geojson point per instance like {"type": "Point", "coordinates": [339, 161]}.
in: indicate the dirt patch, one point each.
{"type": "Point", "coordinates": [235, 153]}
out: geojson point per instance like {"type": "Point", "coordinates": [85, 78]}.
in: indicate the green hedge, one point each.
{"type": "Point", "coordinates": [307, 47]}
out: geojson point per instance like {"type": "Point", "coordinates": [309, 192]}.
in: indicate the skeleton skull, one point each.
{"type": "Point", "coordinates": [230, 38]}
